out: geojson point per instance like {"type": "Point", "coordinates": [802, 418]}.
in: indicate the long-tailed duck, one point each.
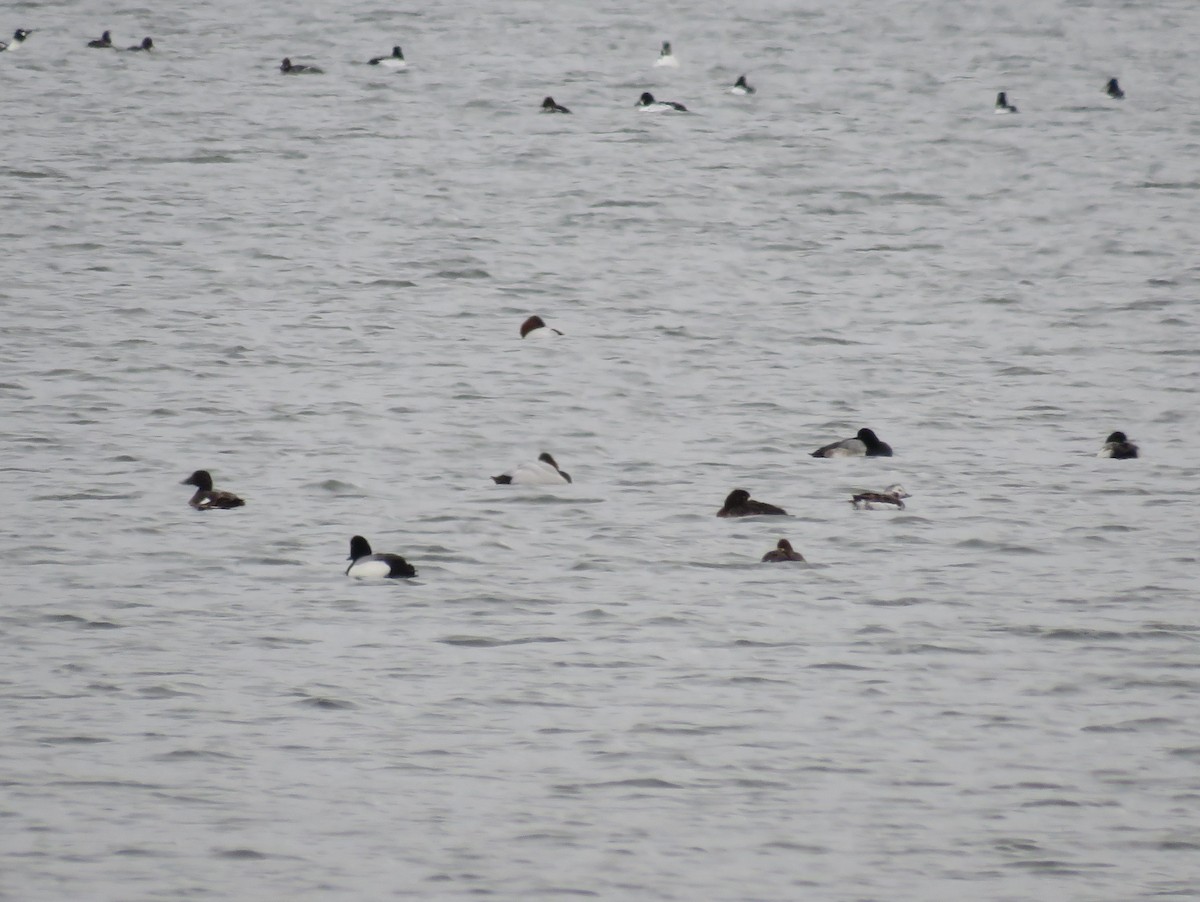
{"type": "Point", "coordinates": [891, 497]}
{"type": "Point", "coordinates": [738, 504]}
{"type": "Point", "coordinates": [1002, 104]}
{"type": "Point", "coordinates": [549, 106]}
{"type": "Point", "coordinates": [147, 44]}
{"type": "Point", "coordinates": [102, 42]}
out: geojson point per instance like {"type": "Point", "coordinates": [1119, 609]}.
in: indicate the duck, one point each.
{"type": "Point", "coordinates": [738, 504]}
{"type": "Point", "coordinates": [1113, 90]}
{"type": "Point", "coordinates": [741, 86]}
{"type": "Point", "coordinates": [1118, 447]}
{"type": "Point", "coordinates": [891, 497]}
{"type": "Point", "coordinates": [647, 104]}
{"type": "Point", "coordinates": [549, 106]}
{"type": "Point", "coordinates": [104, 41]}
{"type": "Point", "coordinates": [783, 551]}
{"type": "Point", "coordinates": [147, 44]}
{"type": "Point", "coordinates": [543, 471]}
{"type": "Point", "coordinates": [365, 565]}
{"type": "Point", "coordinates": [665, 57]}
{"type": "Point", "coordinates": [1002, 104]}
{"type": "Point", "coordinates": [535, 327]}
{"type": "Point", "coordinates": [287, 68]}
{"type": "Point", "coordinates": [395, 61]}
{"type": "Point", "coordinates": [18, 39]}
{"type": "Point", "coordinates": [205, 498]}
{"type": "Point", "coordinates": [865, 444]}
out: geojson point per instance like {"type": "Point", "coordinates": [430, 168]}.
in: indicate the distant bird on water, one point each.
{"type": "Point", "coordinates": [205, 498]}
{"type": "Point", "coordinates": [1113, 90]}
{"type": "Point", "coordinates": [18, 39]}
{"type": "Point", "coordinates": [395, 61]}
{"type": "Point", "coordinates": [365, 565]}
{"type": "Point", "coordinates": [102, 42]}
{"type": "Point", "coordinates": [864, 444]}
{"type": "Point", "coordinates": [739, 504]}
{"type": "Point", "coordinates": [783, 551]}
{"type": "Point", "coordinates": [147, 44]}
{"type": "Point", "coordinates": [741, 86]}
{"type": "Point", "coordinates": [891, 497]}
{"type": "Point", "coordinates": [288, 68]}
{"type": "Point", "coordinates": [535, 327]}
{"type": "Point", "coordinates": [543, 471]}
{"type": "Point", "coordinates": [549, 106]}
{"type": "Point", "coordinates": [647, 104]}
{"type": "Point", "coordinates": [665, 57]}
{"type": "Point", "coordinates": [1002, 104]}
{"type": "Point", "coordinates": [1118, 447]}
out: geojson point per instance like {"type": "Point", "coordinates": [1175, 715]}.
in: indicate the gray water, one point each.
{"type": "Point", "coordinates": [312, 287]}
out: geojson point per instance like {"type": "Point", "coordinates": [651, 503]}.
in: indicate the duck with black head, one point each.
{"type": "Point", "coordinates": [1118, 447]}
{"type": "Point", "coordinates": [205, 498]}
{"type": "Point", "coordinates": [864, 444]}
{"type": "Point", "coordinates": [287, 67]}
{"type": "Point", "coordinates": [366, 565]}
{"type": "Point", "coordinates": [739, 504]}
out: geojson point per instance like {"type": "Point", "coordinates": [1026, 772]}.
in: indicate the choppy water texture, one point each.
{"type": "Point", "coordinates": [311, 286]}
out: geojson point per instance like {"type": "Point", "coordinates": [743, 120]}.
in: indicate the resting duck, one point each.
{"type": "Point", "coordinates": [549, 106]}
{"type": "Point", "coordinates": [1002, 104]}
{"type": "Point", "coordinates": [1117, 446]}
{"type": "Point", "coordinates": [535, 327]}
{"type": "Point", "coordinates": [376, 566]}
{"type": "Point", "coordinates": [865, 444]}
{"type": "Point", "coordinates": [783, 551]}
{"type": "Point", "coordinates": [287, 68]}
{"type": "Point", "coordinates": [1113, 90]}
{"type": "Point", "coordinates": [891, 497]}
{"type": "Point", "coordinates": [738, 504]}
{"type": "Point", "coordinates": [147, 44]}
{"type": "Point", "coordinates": [205, 498]}
{"type": "Point", "coordinates": [105, 40]}
{"type": "Point", "coordinates": [544, 471]}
